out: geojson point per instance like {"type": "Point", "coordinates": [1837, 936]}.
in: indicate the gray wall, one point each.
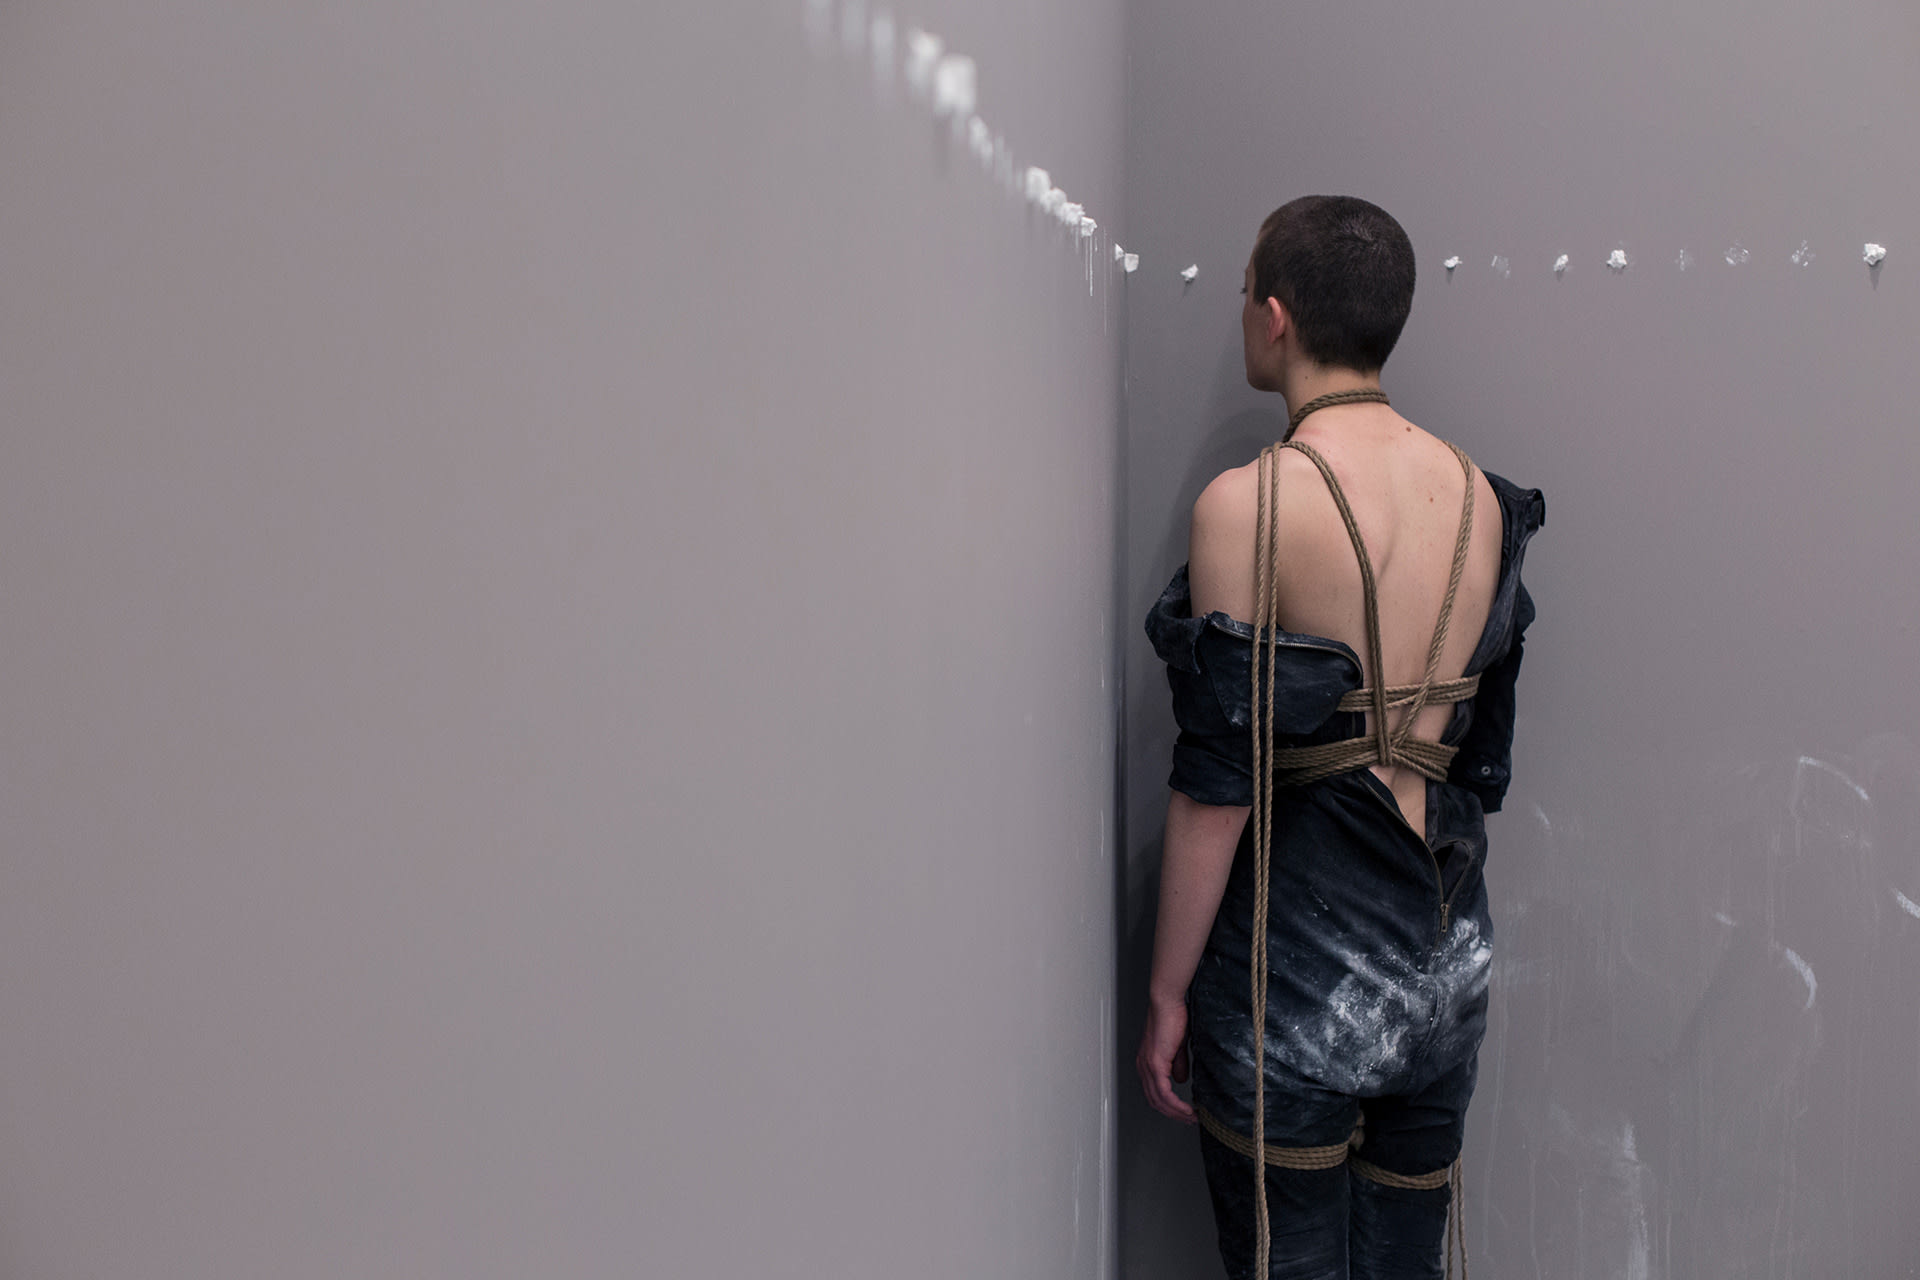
{"type": "Point", "coordinates": [558, 653]}
{"type": "Point", "coordinates": [1704, 1058]}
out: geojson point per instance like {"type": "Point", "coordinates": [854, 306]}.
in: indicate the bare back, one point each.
{"type": "Point", "coordinates": [1405, 488]}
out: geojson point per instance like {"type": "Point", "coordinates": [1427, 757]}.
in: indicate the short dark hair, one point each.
{"type": "Point", "coordinates": [1344, 271]}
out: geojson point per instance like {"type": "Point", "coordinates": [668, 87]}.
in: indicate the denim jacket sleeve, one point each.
{"type": "Point", "coordinates": [1213, 756]}
{"type": "Point", "coordinates": [1210, 673]}
{"type": "Point", "coordinates": [1484, 764]}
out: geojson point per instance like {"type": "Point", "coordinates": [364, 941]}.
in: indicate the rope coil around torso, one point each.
{"type": "Point", "coordinates": [1385, 745]}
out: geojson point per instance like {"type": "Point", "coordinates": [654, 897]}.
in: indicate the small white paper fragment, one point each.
{"type": "Point", "coordinates": [1452, 262]}
{"type": "Point", "coordinates": [1684, 261]}
{"type": "Point", "coordinates": [1873, 254]}
{"type": "Point", "coordinates": [1191, 274]}
{"type": "Point", "coordinates": [923, 57]}
{"type": "Point", "coordinates": [1561, 263]}
{"type": "Point", "coordinates": [1118, 252]}
{"type": "Point", "coordinates": [1738, 255]}
{"type": "Point", "coordinates": [956, 87]}
{"type": "Point", "coordinates": [1039, 182]}
{"type": "Point", "coordinates": [1617, 260]}
{"type": "Point", "coordinates": [880, 45]}
{"type": "Point", "coordinates": [1803, 255]}
{"type": "Point", "coordinates": [980, 140]}
{"type": "Point", "coordinates": [1087, 227]}
{"type": "Point", "coordinates": [1132, 264]}
{"type": "Point", "coordinates": [1502, 266]}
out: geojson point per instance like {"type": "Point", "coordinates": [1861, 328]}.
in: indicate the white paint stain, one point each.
{"type": "Point", "coordinates": [1813, 762]}
{"type": "Point", "coordinates": [1907, 904]}
{"type": "Point", "coordinates": [1561, 263]}
{"type": "Point", "coordinates": [1805, 971]}
{"type": "Point", "coordinates": [1873, 254]}
{"type": "Point", "coordinates": [1684, 261]}
{"type": "Point", "coordinates": [1191, 273]}
{"type": "Point", "coordinates": [1738, 255]}
{"type": "Point", "coordinates": [1502, 266]}
{"type": "Point", "coordinates": [980, 141]}
{"type": "Point", "coordinates": [1803, 255]}
{"type": "Point", "coordinates": [1377, 1016]}
{"type": "Point", "coordinates": [956, 87]}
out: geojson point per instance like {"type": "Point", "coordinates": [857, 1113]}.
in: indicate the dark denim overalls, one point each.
{"type": "Point", "coordinates": [1379, 944]}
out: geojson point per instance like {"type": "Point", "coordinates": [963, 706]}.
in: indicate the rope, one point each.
{"type": "Point", "coordinates": [1333, 1155]}
{"type": "Point", "coordinates": [1391, 746]}
{"type": "Point", "coordinates": [1306, 1158]}
{"type": "Point", "coordinates": [1388, 747]}
{"type": "Point", "coordinates": [1364, 395]}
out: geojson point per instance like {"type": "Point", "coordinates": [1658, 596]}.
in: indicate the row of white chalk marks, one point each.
{"type": "Point", "coordinates": [1737, 255]}
{"type": "Point", "coordinates": [948, 83]}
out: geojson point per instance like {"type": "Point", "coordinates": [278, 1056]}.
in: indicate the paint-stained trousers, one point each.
{"type": "Point", "coordinates": [1335, 1224]}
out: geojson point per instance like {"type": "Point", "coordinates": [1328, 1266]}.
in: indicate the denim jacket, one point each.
{"type": "Point", "coordinates": [1209, 669]}
{"type": "Point", "coordinates": [1379, 943]}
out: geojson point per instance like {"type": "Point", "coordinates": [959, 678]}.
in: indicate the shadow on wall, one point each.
{"type": "Point", "coordinates": [1718, 1072]}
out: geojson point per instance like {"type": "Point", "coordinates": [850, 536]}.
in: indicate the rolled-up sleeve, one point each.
{"type": "Point", "coordinates": [1484, 764]}
{"type": "Point", "coordinates": [1212, 757]}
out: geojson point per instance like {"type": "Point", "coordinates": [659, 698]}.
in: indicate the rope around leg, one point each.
{"type": "Point", "coordinates": [1452, 1178]}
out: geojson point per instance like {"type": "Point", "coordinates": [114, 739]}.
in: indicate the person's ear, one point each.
{"type": "Point", "coordinates": [1278, 321]}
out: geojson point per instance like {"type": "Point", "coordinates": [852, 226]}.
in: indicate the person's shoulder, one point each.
{"type": "Point", "coordinates": [1232, 498]}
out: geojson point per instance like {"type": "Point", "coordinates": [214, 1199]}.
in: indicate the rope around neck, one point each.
{"type": "Point", "coordinates": [1364, 395]}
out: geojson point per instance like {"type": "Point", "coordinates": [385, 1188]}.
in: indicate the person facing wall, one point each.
{"type": "Point", "coordinates": [1342, 647]}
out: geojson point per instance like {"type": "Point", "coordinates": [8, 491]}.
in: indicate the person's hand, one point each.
{"type": "Point", "coordinates": [1163, 1058]}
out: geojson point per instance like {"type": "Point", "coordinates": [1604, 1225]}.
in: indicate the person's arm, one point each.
{"type": "Point", "coordinates": [1194, 861]}
{"type": "Point", "coordinates": [1197, 853]}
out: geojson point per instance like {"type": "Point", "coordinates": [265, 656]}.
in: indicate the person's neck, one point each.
{"type": "Point", "coordinates": [1307, 383]}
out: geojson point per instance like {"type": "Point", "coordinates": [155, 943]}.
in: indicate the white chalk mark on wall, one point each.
{"type": "Point", "coordinates": [923, 58]}
{"type": "Point", "coordinates": [1561, 263]}
{"type": "Point", "coordinates": [1805, 971]}
{"type": "Point", "coordinates": [1189, 275]}
{"type": "Point", "coordinates": [1873, 254]}
{"type": "Point", "coordinates": [956, 88]}
{"type": "Point", "coordinates": [1738, 255]}
{"type": "Point", "coordinates": [980, 142]}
